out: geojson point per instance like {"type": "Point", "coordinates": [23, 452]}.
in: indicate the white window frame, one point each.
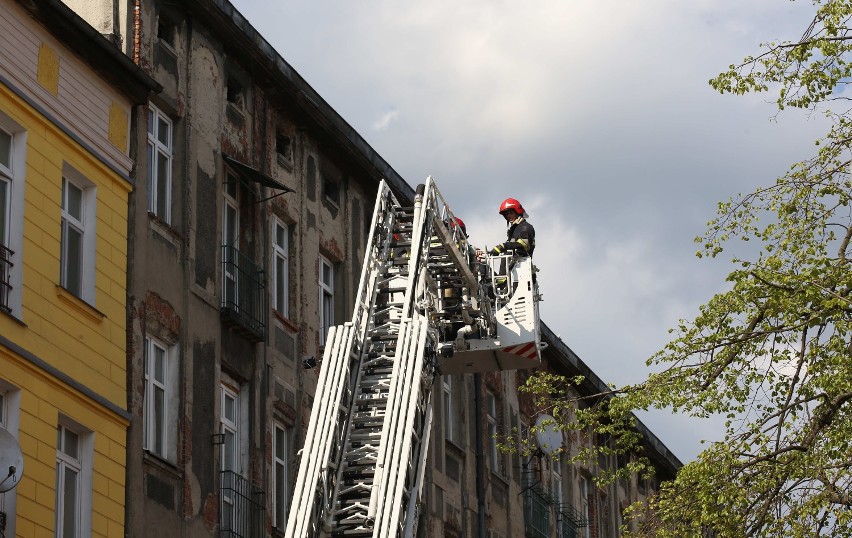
{"type": "Point", "coordinates": [557, 491]}
{"type": "Point", "coordinates": [281, 255]}
{"type": "Point", "coordinates": [86, 226]}
{"type": "Point", "coordinates": [449, 423]}
{"type": "Point", "coordinates": [326, 297]}
{"type": "Point", "coordinates": [280, 474]}
{"type": "Point", "coordinates": [230, 295]}
{"type": "Point", "coordinates": [584, 504]}
{"type": "Point", "coordinates": [491, 427]}
{"type": "Point", "coordinates": [157, 149]}
{"type": "Point", "coordinates": [15, 178]}
{"type": "Point", "coordinates": [82, 464]}
{"type": "Point", "coordinates": [167, 385]}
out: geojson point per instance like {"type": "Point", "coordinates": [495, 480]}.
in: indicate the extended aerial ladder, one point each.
{"type": "Point", "coordinates": [425, 305]}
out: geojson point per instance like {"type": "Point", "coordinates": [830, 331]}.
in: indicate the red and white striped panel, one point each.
{"type": "Point", "coordinates": [527, 351]}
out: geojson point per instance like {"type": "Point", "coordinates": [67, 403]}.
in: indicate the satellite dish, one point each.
{"type": "Point", "coordinates": [11, 461]}
{"type": "Point", "coordinates": [548, 437]}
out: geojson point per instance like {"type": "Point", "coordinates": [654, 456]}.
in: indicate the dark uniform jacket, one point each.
{"type": "Point", "coordinates": [520, 239]}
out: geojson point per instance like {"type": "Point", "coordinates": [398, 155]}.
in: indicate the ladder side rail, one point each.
{"type": "Point", "coordinates": [398, 475]}
{"type": "Point", "coordinates": [381, 212]}
{"type": "Point", "coordinates": [406, 360]}
{"type": "Point", "coordinates": [391, 416]}
{"type": "Point", "coordinates": [414, 265]}
{"type": "Point", "coordinates": [412, 512]}
{"type": "Point", "coordinates": [319, 435]}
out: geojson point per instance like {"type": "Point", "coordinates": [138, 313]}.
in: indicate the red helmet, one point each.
{"type": "Point", "coordinates": [511, 203]}
{"type": "Point", "coordinates": [461, 225]}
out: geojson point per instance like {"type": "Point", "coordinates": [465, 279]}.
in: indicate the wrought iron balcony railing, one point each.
{"type": "Point", "coordinates": [536, 513]}
{"type": "Point", "coordinates": [240, 507]}
{"type": "Point", "coordinates": [243, 294]}
{"type": "Point", "coordinates": [5, 277]}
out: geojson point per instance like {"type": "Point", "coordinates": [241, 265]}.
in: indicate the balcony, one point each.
{"type": "Point", "coordinates": [537, 512]}
{"type": "Point", "coordinates": [5, 278]}
{"type": "Point", "coordinates": [243, 294]}
{"type": "Point", "coordinates": [240, 508]}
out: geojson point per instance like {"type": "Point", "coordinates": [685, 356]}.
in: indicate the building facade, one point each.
{"type": "Point", "coordinates": [66, 104]}
{"type": "Point", "coordinates": [248, 224]}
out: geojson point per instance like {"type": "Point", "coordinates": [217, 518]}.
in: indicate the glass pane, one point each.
{"type": "Point", "coordinates": [73, 259]}
{"type": "Point", "coordinates": [164, 132]}
{"type": "Point", "coordinates": [159, 364]}
{"type": "Point", "coordinates": [74, 201]}
{"type": "Point", "coordinates": [280, 283]}
{"type": "Point", "coordinates": [280, 236]}
{"type": "Point", "coordinates": [280, 443]}
{"type": "Point", "coordinates": [280, 495]}
{"type": "Point", "coordinates": [159, 421]}
{"type": "Point", "coordinates": [326, 274]}
{"type": "Point", "coordinates": [230, 225]}
{"type": "Point", "coordinates": [162, 184]}
{"type": "Point", "coordinates": [228, 451]}
{"type": "Point", "coordinates": [150, 121]}
{"type": "Point", "coordinates": [150, 157]}
{"type": "Point", "coordinates": [231, 186]}
{"type": "Point", "coordinates": [5, 149]}
{"type": "Point", "coordinates": [230, 408]}
{"type": "Point", "coordinates": [69, 507]}
{"type": "Point", "coordinates": [71, 443]}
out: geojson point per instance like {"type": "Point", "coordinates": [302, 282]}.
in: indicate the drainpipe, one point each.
{"type": "Point", "coordinates": [480, 454]}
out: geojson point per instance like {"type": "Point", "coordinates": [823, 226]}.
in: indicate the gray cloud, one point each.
{"type": "Point", "coordinates": [596, 114]}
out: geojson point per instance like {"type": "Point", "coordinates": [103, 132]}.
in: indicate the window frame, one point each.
{"type": "Point", "coordinates": [230, 201]}
{"type": "Point", "coordinates": [78, 226]}
{"type": "Point", "coordinates": [326, 298]}
{"type": "Point", "coordinates": [14, 177]}
{"type": "Point", "coordinates": [280, 459]}
{"type": "Point", "coordinates": [168, 429]}
{"type": "Point", "coordinates": [449, 422]}
{"type": "Point", "coordinates": [491, 426]}
{"type": "Point", "coordinates": [281, 297]}
{"type": "Point", "coordinates": [86, 225]}
{"type": "Point", "coordinates": [82, 464]}
{"type": "Point", "coordinates": [155, 147]}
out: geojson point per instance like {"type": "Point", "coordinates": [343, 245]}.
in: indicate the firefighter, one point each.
{"type": "Point", "coordinates": [520, 235]}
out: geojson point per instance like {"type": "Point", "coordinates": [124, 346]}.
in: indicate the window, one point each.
{"type": "Point", "coordinates": [78, 221]}
{"type": "Point", "coordinates": [491, 431]}
{"type": "Point", "coordinates": [12, 168]}
{"type": "Point", "coordinates": [280, 248]}
{"type": "Point", "coordinates": [326, 285]}
{"type": "Point", "coordinates": [230, 237]}
{"type": "Point", "coordinates": [165, 31]}
{"type": "Point", "coordinates": [283, 148]}
{"type": "Point", "coordinates": [584, 505]}
{"type": "Point", "coordinates": [159, 416]}
{"type": "Point", "coordinates": [235, 93]}
{"type": "Point", "coordinates": [449, 423]}
{"type": "Point", "coordinates": [230, 453]}
{"type": "Point", "coordinates": [279, 475]}
{"type": "Point", "coordinates": [73, 481]}
{"type": "Point", "coordinates": [159, 164]}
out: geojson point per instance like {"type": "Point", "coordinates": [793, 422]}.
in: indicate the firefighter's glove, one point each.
{"type": "Point", "coordinates": [496, 251]}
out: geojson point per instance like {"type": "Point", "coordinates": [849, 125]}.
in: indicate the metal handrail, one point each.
{"type": "Point", "coordinates": [244, 291]}
{"type": "Point", "coordinates": [241, 507]}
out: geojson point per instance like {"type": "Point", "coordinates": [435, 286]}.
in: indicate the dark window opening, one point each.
{"type": "Point", "coordinates": [331, 190]}
{"type": "Point", "coordinates": [283, 146]}
{"type": "Point", "coordinates": [235, 93]}
{"type": "Point", "coordinates": [166, 31]}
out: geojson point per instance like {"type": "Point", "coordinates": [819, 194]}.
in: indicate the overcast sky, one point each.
{"type": "Point", "coordinates": [595, 114]}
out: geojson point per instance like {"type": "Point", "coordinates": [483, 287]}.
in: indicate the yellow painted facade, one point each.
{"type": "Point", "coordinates": [66, 358]}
